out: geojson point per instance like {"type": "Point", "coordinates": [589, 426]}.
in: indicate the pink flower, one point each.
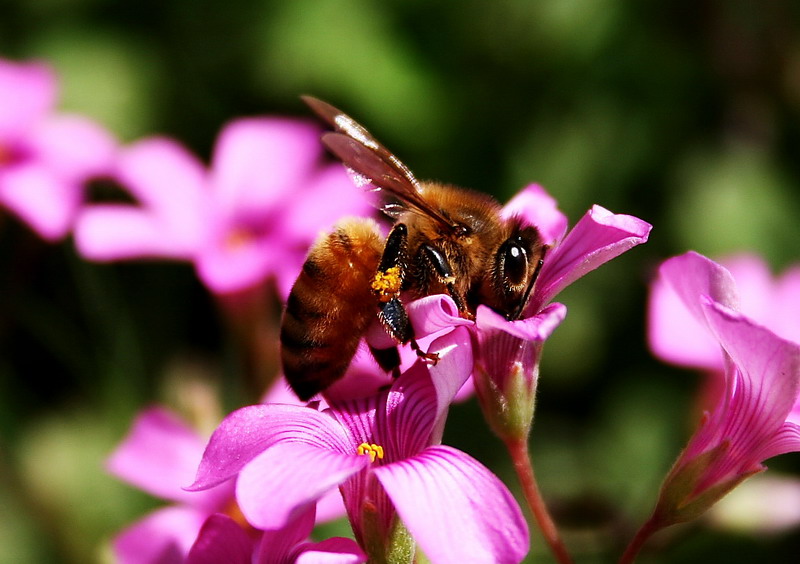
{"type": "Point", "coordinates": [45, 157]}
{"type": "Point", "coordinates": [598, 237]}
{"type": "Point", "coordinates": [159, 456]}
{"type": "Point", "coordinates": [753, 419]}
{"type": "Point", "coordinates": [381, 452]}
{"type": "Point", "coordinates": [508, 352]}
{"type": "Point", "coordinates": [253, 216]}
{"type": "Point", "coordinates": [221, 539]}
{"type": "Point", "coordinates": [677, 337]}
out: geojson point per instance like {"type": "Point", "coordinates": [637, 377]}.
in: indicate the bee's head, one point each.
{"type": "Point", "coordinates": [517, 262]}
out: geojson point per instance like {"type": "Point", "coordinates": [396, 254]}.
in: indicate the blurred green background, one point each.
{"type": "Point", "coordinates": [686, 114]}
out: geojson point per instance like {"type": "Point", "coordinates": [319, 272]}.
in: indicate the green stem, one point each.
{"type": "Point", "coordinates": [518, 450]}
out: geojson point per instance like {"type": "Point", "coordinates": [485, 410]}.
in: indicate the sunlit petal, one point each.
{"type": "Point", "coordinates": [538, 208]}
{"type": "Point", "coordinates": [598, 237]}
{"type": "Point", "coordinates": [247, 432]}
{"type": "Point", "coordinates": [288, 478]}
{"type": "Point", "coordinates": [455, 508]}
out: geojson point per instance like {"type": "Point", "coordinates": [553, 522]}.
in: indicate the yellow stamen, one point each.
{"type": "Point", "coordinates": [387, 284]}
{"type": "Point", "coordinates": [233, 511]}
{"type": "Point", "coordinates": [374, 451]}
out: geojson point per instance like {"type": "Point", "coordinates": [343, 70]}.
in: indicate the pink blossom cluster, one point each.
{"type": "Point", "coordinates": [378, 441]}
{"type": "Point", "coordinates": [371, 448]}
{"type": "Point", "coordinates": [254, 492]}
{"type": "Point", "coordinates": [241, 220]}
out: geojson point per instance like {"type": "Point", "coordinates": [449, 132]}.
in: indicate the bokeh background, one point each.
{"type": "Point", "coordinates": [686, 114]}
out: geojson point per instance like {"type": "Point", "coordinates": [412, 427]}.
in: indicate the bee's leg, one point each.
{"type": "Point", "coordinates": [441, 266]}
{"type": "Point", "coordinates": [394, 318]}
{"type": "Point", "coordinates": [388, 282]}
{"type": "Point", "coordinates": [433, 358]}
{"type": "Point", "coordinates": [387, 285]}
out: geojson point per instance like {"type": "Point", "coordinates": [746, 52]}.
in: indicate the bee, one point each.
{"type": "Point", "coordinates": [444, 240]}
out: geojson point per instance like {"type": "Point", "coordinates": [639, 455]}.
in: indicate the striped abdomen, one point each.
{"type": "Point", "coordinates": [330, 306]}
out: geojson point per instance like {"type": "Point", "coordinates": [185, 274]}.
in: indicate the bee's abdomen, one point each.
{"type": "Point", "coordinates": [330, 307]}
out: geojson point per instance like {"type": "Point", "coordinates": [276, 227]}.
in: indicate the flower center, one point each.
{"type": "Point", "coordinates": [13, 153]}
{"type": "Point", "coordinates": [5, 155]}
{"type": "Point", "coordinates": [387, 284]}
{"type": "Point", "coordinates": [374, 451]}
{"type": "Point", "coordinates": [233, 511]}
{"type": "Point", "coordinates": [238, 237]}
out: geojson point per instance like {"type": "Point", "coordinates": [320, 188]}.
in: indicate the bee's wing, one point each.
{"type": "Point", "coordinates": [372, 163]}
{"type": "Point", "coordinates": [370, 167]}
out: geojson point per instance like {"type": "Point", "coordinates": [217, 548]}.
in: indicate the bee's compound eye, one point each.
{"type": "Point", "coordinates": [515, 263]}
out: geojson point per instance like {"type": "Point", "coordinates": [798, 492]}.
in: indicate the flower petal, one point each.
{"type": "Point", "coordinates": [785, 308]}
{"type": "Point", "coordinates": [754, 286]}
{"type": "Point", "coordinates": [453, 368]}
{"type": "Point", "coordinates": [536, 328]}
{"type": "Point", "coordinates": [247, 432]}
{"type": "Point", "coordinates": [168, 180]}
{"type": "Point", "coordinates": [221, 541]}
{"type": "Point", "coordinates": [430, 316]}
{"type": "Point", "coordinates": [43, 200]}
{"type": "Point", "coordinates": [229, 263]}
{"type": "Point", "coordinates": [277, 546]}
{"type": "Point", "coordinates": [326, 198]}
{"type": "Point", "coordinates": [112, 232]}
{"type": "Point", "coordinates": [337, 550]}
{"type": "Point", "coordinates": [405, 420]}
{"type": "Point", "coordinates": [163, 536]}
{"type": "Point", "coordinates": [787, 439]}
{"type": "Point", "coordinates": [769, 383]}
{"type": "Point", "coordinates": [537, 207]}
{"type": "Point", "coordinates": [455, 508]}
{"type": "Point", "coordinates": [330, 507]}
{"type": "Point", "coordinates": [173, 218]}
{"type": "Point", "coordinates": [450, 373]}
{"type": "Point", "coordinates": [73, 146]}
{"type": "Point", "coordinates": [507, 347]}
{"type": "Point", "coordinates": [260, 161]}
{"type": "Point", "coordinates": [27, 93]}
{"type": "Point", "coordinates": [677, 336]}
{"type": "Point", "coordinates": [692, 275]}
{"type": "Point", "coordinates": [434, 313]}
{"type": "Point", "coordinates": [288, 478]}
{"type": "Point", "coordinates": [598, 237]}
{"type": "Point", "coordinates": [160, 455]}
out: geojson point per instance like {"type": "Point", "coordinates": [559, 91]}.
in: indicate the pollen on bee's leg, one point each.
{"type": "Point", "coordinates": [386, 284]}
{"type": "Point", "coordinates": [374, 451]}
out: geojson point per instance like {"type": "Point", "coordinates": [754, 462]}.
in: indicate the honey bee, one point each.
{"type": "Point", "coordinates": [444, 240]}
